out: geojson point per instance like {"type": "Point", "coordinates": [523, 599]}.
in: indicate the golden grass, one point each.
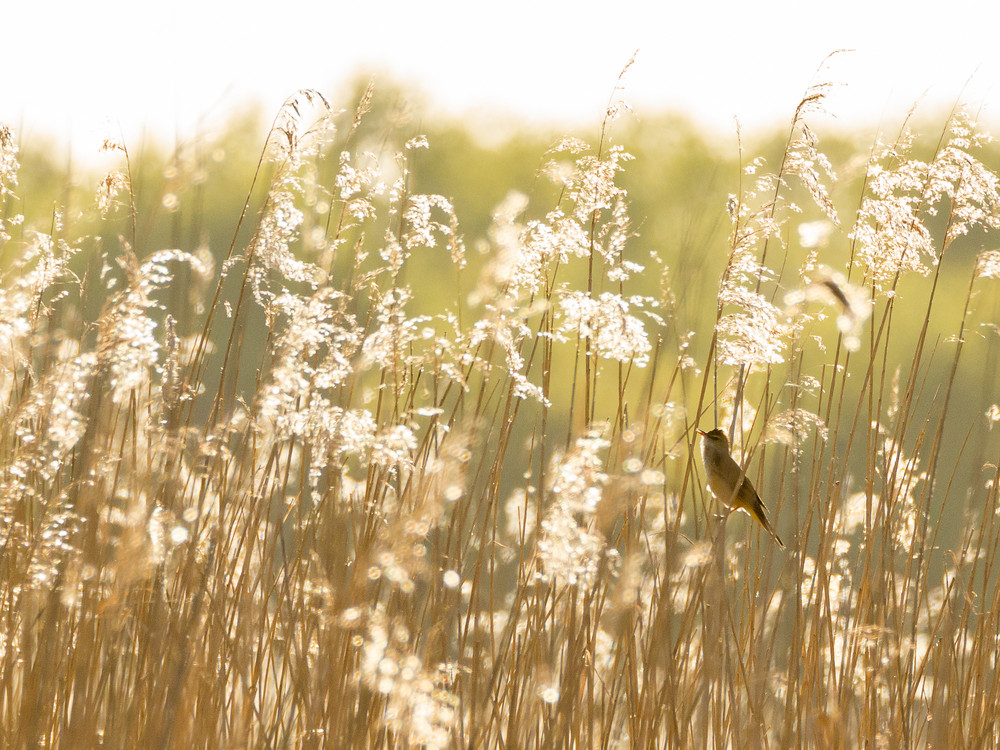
{"type": "Point", "coordinates": [259, 501]}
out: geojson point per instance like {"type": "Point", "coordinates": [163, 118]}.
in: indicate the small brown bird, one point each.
{"type": "Point", "coordinates": [723, 474]}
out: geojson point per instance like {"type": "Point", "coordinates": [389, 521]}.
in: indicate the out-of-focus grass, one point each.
{"type": "Point", "coordinates": [385, 441]}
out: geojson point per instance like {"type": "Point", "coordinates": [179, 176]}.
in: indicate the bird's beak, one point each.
{"type": "Point", "coordinates": [702, 433]}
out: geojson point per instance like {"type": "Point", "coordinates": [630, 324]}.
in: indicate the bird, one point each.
{"type": "Point", "coordinates": [724, 473]}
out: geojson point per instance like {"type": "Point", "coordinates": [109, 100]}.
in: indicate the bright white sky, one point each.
{"type": "Point", "coordinates": [72, 67]}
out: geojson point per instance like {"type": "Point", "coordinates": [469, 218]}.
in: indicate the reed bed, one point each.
{"type": "Point", "coordinates": [359, 481]}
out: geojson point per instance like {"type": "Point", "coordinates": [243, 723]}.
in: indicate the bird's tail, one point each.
{"type": "Point", "coordinates": [756, 510]}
